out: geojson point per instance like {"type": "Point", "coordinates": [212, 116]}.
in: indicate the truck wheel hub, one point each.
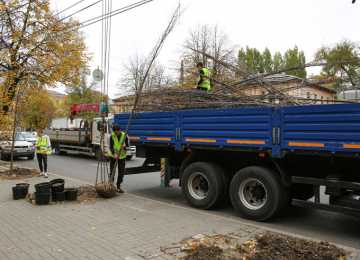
{"type": "Point", "coordinates": [252, 193]}
{"type": "Point", "coordinates": [198, 185]}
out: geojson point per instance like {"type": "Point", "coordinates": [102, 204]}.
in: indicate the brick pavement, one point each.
{"type": "Point", "coordinates": [126, 227]}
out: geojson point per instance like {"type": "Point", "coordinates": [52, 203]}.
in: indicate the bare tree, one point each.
{"type": "Point", "coordinates": [134, 72]}
{"type": "Point", "coordinates": [208, 40]}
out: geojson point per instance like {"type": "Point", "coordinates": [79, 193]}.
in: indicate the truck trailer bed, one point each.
{"type": "Point", "coordinates": [322, 128]}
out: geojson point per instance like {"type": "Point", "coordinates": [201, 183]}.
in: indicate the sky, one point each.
{"type": "Point", "coordinates": [276, 24]}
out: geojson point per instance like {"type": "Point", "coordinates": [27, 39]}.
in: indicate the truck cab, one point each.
{"type": "Point", "coordinates": [96, 136]}
{"type": "Point", "coordinates": [84, 137]}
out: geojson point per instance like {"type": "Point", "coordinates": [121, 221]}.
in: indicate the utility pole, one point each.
{"type": "Point", "coordinates": [182, 73]}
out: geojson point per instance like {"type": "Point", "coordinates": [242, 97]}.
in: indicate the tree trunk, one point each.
{"type": "Point", "coordinates": [14, 133]}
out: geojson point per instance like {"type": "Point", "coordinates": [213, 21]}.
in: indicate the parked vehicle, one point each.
{"type": "Point", "coordinates": [262, 158]}
{"type": "Point", "coordinates": [22, 148]}
{"type": "Point", "coordinates": [29, 137]}
{"type": "Point", "coordinates": [84, 139]}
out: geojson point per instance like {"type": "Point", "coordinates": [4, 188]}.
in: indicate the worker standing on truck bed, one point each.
{"type": "Point", "coordinates": [117, 153]}
{"type": "Point", "coordinates": [203, 82]}
{"type": "Point", "coordinates": [43, 148]}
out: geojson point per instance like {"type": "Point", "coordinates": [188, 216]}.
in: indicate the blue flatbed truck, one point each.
{"type": "Point", "coordinates": [262, 158]}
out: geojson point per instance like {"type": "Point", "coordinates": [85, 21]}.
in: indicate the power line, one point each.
{"type": "Point", "coordinates": [99, 18]}
{"type": "Point", "coordinates": [69, 7]}
{"type": "Point", "coordinates": [80, 10]}
{"type": "Point", "coordinates": [113, 13]}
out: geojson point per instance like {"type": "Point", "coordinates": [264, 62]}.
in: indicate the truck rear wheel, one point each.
{"type": "Point", "coordinates": [257, 193]}
{"type": "Point", "coordinates": [203, 184]}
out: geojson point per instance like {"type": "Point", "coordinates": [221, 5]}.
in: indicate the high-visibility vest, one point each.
{"type": "Point", "coordinates": [205, 84]}
{"type": "Point", "coordinates": [118, 145]}
{"type": "Point", "coordinates": [42, 145]}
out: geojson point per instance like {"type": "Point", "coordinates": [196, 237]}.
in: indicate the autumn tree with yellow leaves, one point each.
{"type": "Point", "coordinates": [37, 49]}
{"type": "Point", "coordinates": [42, 110]}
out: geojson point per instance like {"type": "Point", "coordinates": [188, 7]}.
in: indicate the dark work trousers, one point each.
{"type": "Point", "coordinates": [121, 170]}
{"type": "Point", "coordinates": [42, 160]}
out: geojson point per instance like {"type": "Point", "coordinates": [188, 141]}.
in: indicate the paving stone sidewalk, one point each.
{"type": "Point", "coordinates": [126, 227]}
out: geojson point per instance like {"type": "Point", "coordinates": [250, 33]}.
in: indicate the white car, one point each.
{"type": "Point", "coordinates": [29, 137]}
{"type": "Point", "coordinates": [22, 148]}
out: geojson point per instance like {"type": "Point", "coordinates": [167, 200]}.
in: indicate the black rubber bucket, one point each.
{"type": "Point", "coordinates": [71, 194]}
{"type": "Point", "coordinates": [24, 187]}
{"type": "Point", "coordinates": [20, 191]}
{"type": "Point", "coordinates": [59, 196]}
{"type": "Point", "coordinates": [57, 181]}
{"type": "Point", "coordinates": [57, 187]}
{"type": "Point", "coordinates": [42, 198]}
{"type": "Point", "coordinates": [43, 187]}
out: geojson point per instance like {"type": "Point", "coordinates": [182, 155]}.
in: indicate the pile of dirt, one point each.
{"type": "Point", "coordinates": [87, 193]}
{"type": "Point", "coordinates": [267, 246]}
{"type": "Point", "coordinates": [206, 252]}
{"type": "Point", "coordinates": [276, 246]}
{"type": "Point", "coordinates": [18, 173]}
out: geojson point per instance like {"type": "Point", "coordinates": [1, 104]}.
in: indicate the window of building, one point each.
{"type": "Point", "coordinates": [322, 100]}
{"type": "Point", "coordinates": [308, 95]}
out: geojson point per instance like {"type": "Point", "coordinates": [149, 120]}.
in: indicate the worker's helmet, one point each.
{"type": "Point", "coordinates": [115, 127]}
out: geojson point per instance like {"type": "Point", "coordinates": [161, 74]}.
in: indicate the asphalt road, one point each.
{"type": "Point", "coordinates": [333, 227]}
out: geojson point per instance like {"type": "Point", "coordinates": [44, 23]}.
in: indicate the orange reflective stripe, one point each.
{"type": "Point", "coordinates": [134, 138]}
{"type": "Point", "coordinates": [200, 140]}
{"type": "Point", "coordinates": [351, 146]}
{"type": "Point", "coordinates": [234, 141]}
{"type": "Point", "coordinates": [158, 138]}
{"type": "Point", "coordinates": [306, 144]}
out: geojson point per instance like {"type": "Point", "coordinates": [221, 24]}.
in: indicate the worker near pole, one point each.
{"type": "Point", "coordinates": [203, 81]}
{"type": "Point", "coordinates": [43, 149]}
{"type": "Point", "coordinates": [117, 153]}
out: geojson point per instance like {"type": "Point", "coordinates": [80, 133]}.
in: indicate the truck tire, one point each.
{"type": "Point", "coordinates": [257, 193]}
{"type": "Point", "coordinates": [203, 185]}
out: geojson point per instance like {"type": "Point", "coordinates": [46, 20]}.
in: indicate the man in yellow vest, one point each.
{"type": "Point", "coordinates": [117, 153]}
{"type": "Point", "coordinates": [203, 81]}
{"type": "Point", "coordinates": [43, 149]}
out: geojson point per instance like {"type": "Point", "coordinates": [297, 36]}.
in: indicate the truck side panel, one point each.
{"type": "Point", "coordinates": [246, 127]}
{"type": "Point", "coordinates": [150, 127]}
{"type": "Point", "coordinates": [326, 128]}
{"type": "Point", "coordinates": [323, 128]}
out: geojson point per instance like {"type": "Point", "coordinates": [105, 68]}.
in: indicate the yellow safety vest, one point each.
{"type": "Point", "coordinates": [118, 146]}
{"type": "Point", "coordinates": [205, 84]}
{"type": "Point", "coordinates": [42, 145]}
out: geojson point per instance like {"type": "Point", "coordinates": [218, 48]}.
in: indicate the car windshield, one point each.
{"type": "Point", "coordinates": [27, 135]}
{"type": "Point", "coordinates": [19, 137]}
